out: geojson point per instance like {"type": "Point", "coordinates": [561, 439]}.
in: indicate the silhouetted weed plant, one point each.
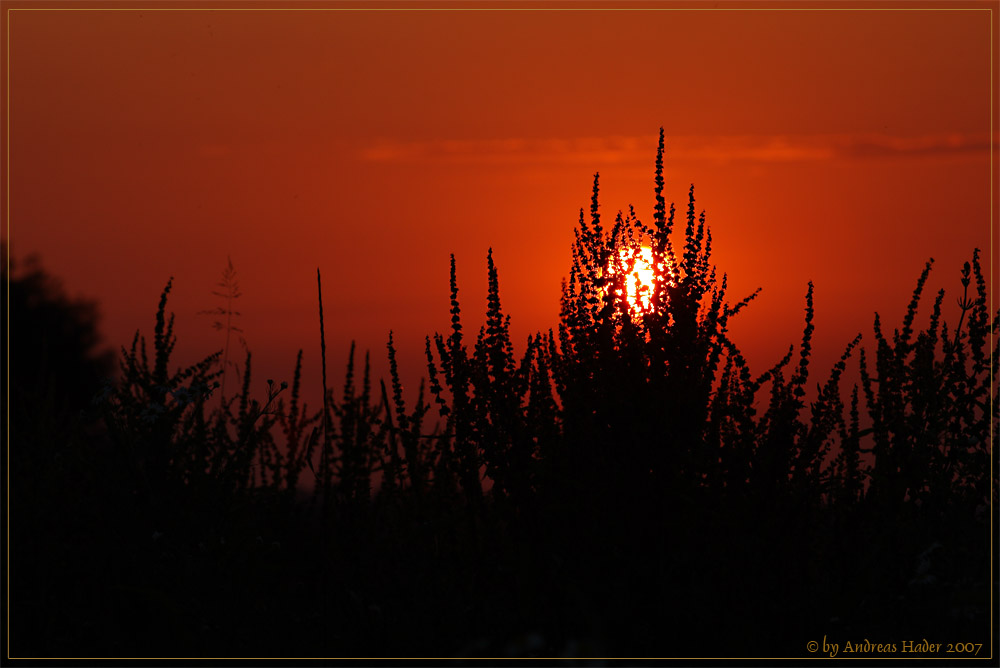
{"type": "Point", "coordinates": [628, 460]}
{"type": "Point", "coordinates": [225, 319]}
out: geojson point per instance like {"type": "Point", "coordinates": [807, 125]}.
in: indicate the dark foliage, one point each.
{"type": "Point", "coordinates": [625, 485]}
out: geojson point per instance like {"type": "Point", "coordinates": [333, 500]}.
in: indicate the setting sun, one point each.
{"type": "Point", "coordinates": [639, 281]}
{"type": "Point", "coordinates": [518, 389]}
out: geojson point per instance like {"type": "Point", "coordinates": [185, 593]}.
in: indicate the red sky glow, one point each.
{"type": "Point", "coordinates": [147, 141]}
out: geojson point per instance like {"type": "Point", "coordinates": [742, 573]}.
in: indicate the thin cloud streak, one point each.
{"type": "Point", "coordinates": [624, 150]}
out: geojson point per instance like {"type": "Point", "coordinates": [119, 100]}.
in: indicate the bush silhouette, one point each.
{"type": "Point", "coordinates": [625, 485]}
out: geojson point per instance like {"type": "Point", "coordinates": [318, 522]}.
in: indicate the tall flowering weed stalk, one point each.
{"type": "Point", "coordinates": [639, 394]}
{"type": "Point", "coordinates": [160, 421]}
{"type": "Point", "coordinates": [930, 401]}
{"type": "Point", "coordinates": [628, 459]}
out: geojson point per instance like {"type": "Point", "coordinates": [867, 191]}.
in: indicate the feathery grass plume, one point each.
{"type": "Point", "coordinates": [150, 414]}
{"type": "Point", "coordinates": [229, 294]}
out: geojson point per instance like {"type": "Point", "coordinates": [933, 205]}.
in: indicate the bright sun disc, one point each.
{"type": "Point", "coordinates": [639, 282]}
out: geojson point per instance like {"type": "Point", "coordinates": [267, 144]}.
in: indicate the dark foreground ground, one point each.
{"type": "Point", "coordinates": [100, 571]}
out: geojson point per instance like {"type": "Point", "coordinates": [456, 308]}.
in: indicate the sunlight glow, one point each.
{"type": "Point", "coordinates": [639, 281]}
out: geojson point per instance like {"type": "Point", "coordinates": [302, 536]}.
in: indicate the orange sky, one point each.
{"type": "Point", "coordinates": [844, 147]}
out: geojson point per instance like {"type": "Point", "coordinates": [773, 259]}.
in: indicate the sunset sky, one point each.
{"type": "Point", "coordinates": [844, 147]}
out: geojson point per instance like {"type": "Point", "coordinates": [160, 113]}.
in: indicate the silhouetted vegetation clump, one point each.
{"type": "Point", "coordinates": [621, 485]}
